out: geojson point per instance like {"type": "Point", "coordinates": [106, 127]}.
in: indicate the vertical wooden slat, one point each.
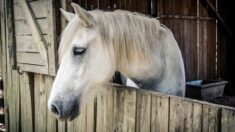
{"type": "Point", "coordinates": [12, 111]}
{"type": "Point", "coordinates": [129, 113]}
{"type": "Point", "coordinates": [190, 48]}
{"type": "Point", "coordinates": [63, 21]}
{"type": "Point", "coordinates": [140, 6]}
{"type": "Point", "coordinates": [15, 109]}
{"type": "Point", "coordinates": [10, 34]}
{"type": "Point", "coordinates": [62, 126]}
{"type": "Point", "coordinates": [211, 52]}
{"type": "Point", "coordinates": [159, 9]}
{"type": "Point", "coordinates": [184, 116]}
{"type": "Point", "coordinates": [79, 124]}
{"type": "Point", "coordinates": [198, 39]}
{"type": "Point", "coordinates": [4, 62]}
{"type": "Point", "coordinates": [207, 51]}
{"type": "Point", "coordinates": [210, 120]}
{"type": "Point", "coordinates": [40, 103]}
{"type": "Point", "coordinates": [119, 95]}
{"type": "Point", "coordinates": [159, 113]}
{"type": "Point", "coordinates": [26, 98]}
{"type": "Point", "coordinates": [95, 4]}
{"type": "Point", "coordinates": [105, 111]}
{"type": "Point", "coordinates": [227, 120]}
{"type": "Point", "coordinates": [100, 114]}
{"type": "Point", "coordinates": [85, 121]}
{"type": "Point", "coordinates": [52, 11]}
{"type": "Point", "coordinates": [119, 4]}
{"type": "Point", "coordinates": [70, 126]}
{"type": "Point", "coordinates": [178, 115]}
{"type": "Point", "coordinates": [143, 112]}
{"type": "Point", "coordinates": [197, 117]}
{"type": "Point", "coordinates": [90, 116]}
{"type": "Point", "coordinates": [51, 120]}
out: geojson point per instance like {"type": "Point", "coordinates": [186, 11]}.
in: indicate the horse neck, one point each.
{"type": "Point", "coordinates": [142, 72]}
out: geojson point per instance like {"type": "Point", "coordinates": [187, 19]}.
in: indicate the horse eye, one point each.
{"type": "Point", "coordinates": [78, 50]}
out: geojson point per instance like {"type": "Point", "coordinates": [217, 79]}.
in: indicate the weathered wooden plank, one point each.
{"type": "Point", "coordinates": [119, 4]}
{"type": "Point", "coordinates": [40, 101]}
{"type": "Point", "coordinates": [63, 21]}
{"type": "Point", "coordinates": [36, 30]}
{"type": "Point", "coordinates": [22, 27]}
{"type": "Point", "coordinates": [51, 120]}
{"type": "Point", "coordinates": [118, 117]}
{"type": "Point", "coordinates": [27, 44]}
{"type": "Point", "coordinates": [178, 115]}
{"type": "Point", "coordinates": [105, 111]}
{"type": "Point", "coordinates": [207, 41]}
{"type": "Point", "coordinates": [159, 8]}
{"type": "Point", "coordinates": [10, 32]}
{"type": "Point", "coordinates": [159, 114]}
{"type": "Point", "coordinates": [100, 119]}
{"type": "Point", "coordinates": [32, 68]}
{"type": "Point", "coordinates": [7, 23]}
{"type": "Point", "coordinates": [210, 120]}
{"type": "Point", "coordinates": [29, 58]}
{"type": "Point", "coordinates": [80, 122]}
{"type": "Point", "coordinates": [141, 6]}
{"type": "Point", "coordinates": [90, 116]}
{"type": "Point", "coordinates": [14, 111]}
{"type": "Point", "coordinates": [1, 62]}
{"type": "Point", "coordinates": [70, 126]}
{"type": "Point", "coordinates": [143, 112]}
{"type": "Point", "coordinates": [227, 120]}
{"type": "Point", "coordinates": [129, 113]}
{"type": "Point", "coordinates": [197, 117]}
{"type": "Point", "coordinates": [52, 9]}
{"type": "Point", "coordinates": [184, 116]}
{"type": "Point", "coordinates": [4, 62]}
{"type": "Point", "coordinates": [62, 126]}
{"type": "Point", "coordinates": [37, 8]}
{"type": "Point", "coordinates": [26, 98]}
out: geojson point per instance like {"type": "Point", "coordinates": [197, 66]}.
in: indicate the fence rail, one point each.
{"type": "Point", "coordinates": [121, 109]}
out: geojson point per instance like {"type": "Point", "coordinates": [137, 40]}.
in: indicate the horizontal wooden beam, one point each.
{"type": "Point", "coordinates": [185, 17]}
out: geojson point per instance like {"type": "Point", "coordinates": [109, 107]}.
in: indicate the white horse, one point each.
{"type": "Point", "coordinates": [95, 44]}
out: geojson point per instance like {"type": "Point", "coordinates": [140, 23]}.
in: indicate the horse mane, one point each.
{"type": "Point", "coordinates": [133, 36]}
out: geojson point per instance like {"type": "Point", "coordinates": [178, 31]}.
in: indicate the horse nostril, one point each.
{"type": "Point", "coordinates": [55, 110]}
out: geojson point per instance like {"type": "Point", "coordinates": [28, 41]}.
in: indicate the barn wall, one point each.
{"type": "Point", "coordinates": [194, 27]}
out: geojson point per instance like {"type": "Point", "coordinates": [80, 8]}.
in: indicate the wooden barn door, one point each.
{"type": "Point", "coordinates": [35, 36]}
{"type": "Point", "coordinates": [195, 29]}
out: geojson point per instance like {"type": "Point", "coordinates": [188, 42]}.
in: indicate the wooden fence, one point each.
{"type": "Point", "coordinates": [122, 109]}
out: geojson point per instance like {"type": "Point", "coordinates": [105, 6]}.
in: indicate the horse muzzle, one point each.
{"type": "Point", "coordinates": [64, 110]}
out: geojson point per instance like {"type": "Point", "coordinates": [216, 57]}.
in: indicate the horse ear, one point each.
{"type": "Point", "coordinates": [68, 15]}
{"type": "Point", "coordinates": [85, 17]}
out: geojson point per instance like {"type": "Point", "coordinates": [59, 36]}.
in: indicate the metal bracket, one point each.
{"type": "Point", "coordinates": [19, 71]}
